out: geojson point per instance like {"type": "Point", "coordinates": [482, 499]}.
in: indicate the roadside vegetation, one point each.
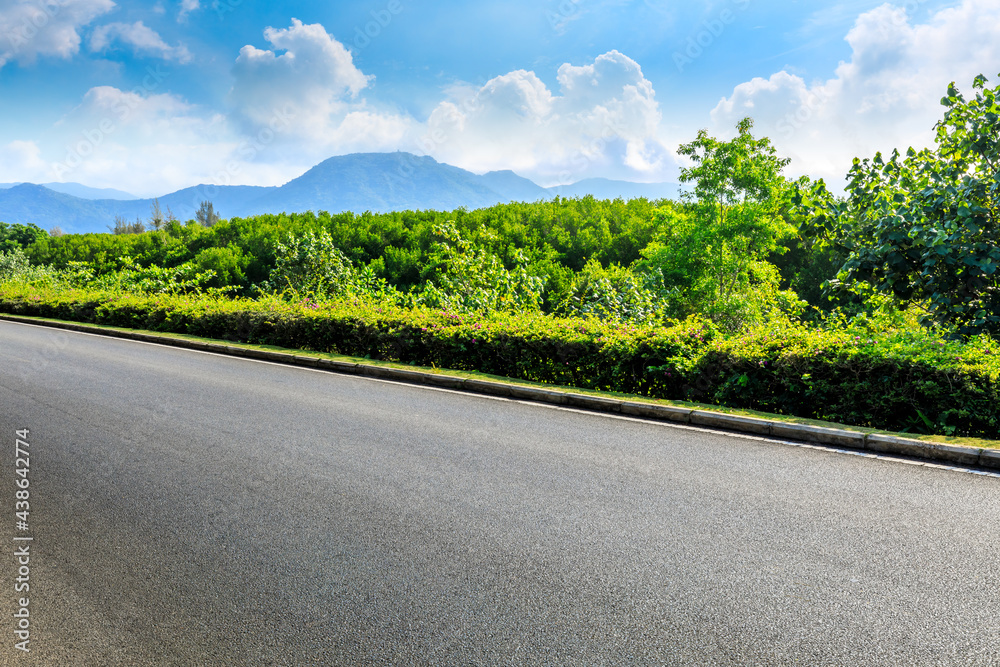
{"type": "Point", "coordinates": [880, 308]}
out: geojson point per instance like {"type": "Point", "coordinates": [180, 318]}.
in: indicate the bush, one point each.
{"type": "Point", "coordinates": [896, 378]}
{"type": "Point", "coordinates": [15, 267]}
{"type": "Point", "coordinates": [903, 380]}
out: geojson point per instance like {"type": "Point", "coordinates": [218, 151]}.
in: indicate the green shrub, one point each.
{"type": "Point", "coordinates": [898, 378]}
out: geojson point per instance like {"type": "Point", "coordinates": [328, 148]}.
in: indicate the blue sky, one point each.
{"type": "Point", "coordinates": [153, 97]}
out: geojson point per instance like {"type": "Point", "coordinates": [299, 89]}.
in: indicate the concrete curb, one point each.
{"type": "Point", "coordinates": [872, 442]}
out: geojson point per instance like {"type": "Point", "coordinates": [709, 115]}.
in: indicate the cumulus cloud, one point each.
{"type": "Point", "coordinates": [304, 94]}
{"type": "Point", "coordinates": [291, 108]}
{"type": "Point", "coordinates": [138, 36]}
{"type": "Point", "coordinates": [33, 28]}
{"type": "Point", "coordinates": [315, 75]}
{"type": "Point", "coordinates": [603, 121]}
{"type": "Point", "coordinates": [188, 6]}
{"type": "Point", "coordinates": [886, 96]}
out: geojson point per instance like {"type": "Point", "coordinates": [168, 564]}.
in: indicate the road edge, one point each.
{"type": "Point", "coordinates": [871, 442]}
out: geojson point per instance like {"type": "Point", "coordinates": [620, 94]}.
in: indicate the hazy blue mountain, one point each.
{"type": "Point", "coordinates": [46, 208]}
{"type": "Point", "coordinates": [81, 191]}
{"type": "Point", "coordinates": [229, 201]}
{"type": "Point", "coordinates": [380, 182]}
{"type": "Point", "coordinates": [603, 188]}
{"type": "Point", "coordinates": [514, 187]}
{"type": "Point", "coordinates": [360, 182]}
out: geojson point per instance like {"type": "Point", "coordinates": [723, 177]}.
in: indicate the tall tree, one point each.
{"type": "Point", "coordinates": [206, 214]}
{"type": "Point", "coordinates": [156, 218]}
{"type": "Point", "coordinates": [924, 227]}
{"type": "Point", "coordinates": [714, 256]}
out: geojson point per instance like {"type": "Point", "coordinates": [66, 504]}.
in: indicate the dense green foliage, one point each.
{"type": "Point", "coordinates": [14, 237]}
{"type": "Point", "coordinates": [870, 373]}
{"type": "Point", "coordinates": [556, 239]}
{"type": "Point", "coordinates": [925, 228]}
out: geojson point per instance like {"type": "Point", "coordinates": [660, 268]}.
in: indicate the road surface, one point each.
{"type": "Point", "coordinates": [194, 509]}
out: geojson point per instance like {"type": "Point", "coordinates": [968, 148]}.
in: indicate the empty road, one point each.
{"type": "Point", "coordinates": [194, 509]}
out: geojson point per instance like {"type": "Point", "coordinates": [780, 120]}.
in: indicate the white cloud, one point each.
{"type": "Point", "coordinates": [305, 93]}
{"type": "Point", "coordinates": [315, 74]}
{"type": "Point", "coordinates": [293, 107]}
{"type": "Point", "coordinates": [188, 6]}
{"type": "Point", "coordinates": [140, 141]}
{"type": "Point", "coordinates": [886, 96]}
{"type": "Point", "coordinates": [604, 121]}
{"type": "Point", "coordinates": [139, 37]}
{"type": "Point", "coordinates": [33, 28]}
{"type": "Point", "coordinates": [22, 161]}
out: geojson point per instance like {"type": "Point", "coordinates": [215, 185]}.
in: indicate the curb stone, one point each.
{"type": "Point", "coordinates": [872, 442]}
{"type": "Point", "coordinates": [731, 422]}
{"type": "Point", "coordinates": [821, 434]}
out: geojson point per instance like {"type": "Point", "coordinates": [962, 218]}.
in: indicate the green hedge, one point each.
{"type": "Point", "coordinates": [895, 380]}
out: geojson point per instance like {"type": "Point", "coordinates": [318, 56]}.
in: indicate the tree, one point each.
{"type": "Point", "coordinates": [713, 256]}
{"type": "Point", "coordinates": [14, 237]}
{"type": "Point", "coordinates": [156, 218]}
{"type": "Point", "coordinates": [123, 226]}
{"type": "Point", "coordinates": [612, 294]}
{"type": "Point", "coordinates": [310, 265]}
{"type": "Point", "coordinates": [924, 228]}
{"type": "Point", "coordinates": [206, 214]}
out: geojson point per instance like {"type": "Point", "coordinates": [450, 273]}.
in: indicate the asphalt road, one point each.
{"type": "Point", "coordinates": [194, 509]}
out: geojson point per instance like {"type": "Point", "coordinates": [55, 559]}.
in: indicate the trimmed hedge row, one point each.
{"type": "Point", "coordinates": [896, 380]}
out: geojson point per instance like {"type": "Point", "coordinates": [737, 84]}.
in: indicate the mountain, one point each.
{"type": "Point", "coordinates": [603, 188]}
{"type": "Point", "coordinates": [229, 201]}
{"type": "Point", "coordinates": [376, 182]}
{"type": "Point", "coordinates": [516, 187]}
{"type": "Point", "coordinates": [46, 208]}
{"type": "Point", "coordinates": [81, 191]}
{"type": "Point", "coordinates": [380, 182]}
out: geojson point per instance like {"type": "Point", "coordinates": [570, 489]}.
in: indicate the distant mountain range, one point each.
{"type": "Point", "coordinates": [376, 182]}
{"type": "Point", "coordinates": [81, 191]}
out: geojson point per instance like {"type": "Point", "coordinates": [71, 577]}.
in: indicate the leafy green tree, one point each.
{"type": "Point", "coordinates": [131, 277]}
{"type": "Point", "coordinates": [15, 266]}
{"type": "Point", "coordinates": [713, 257]}
{"type": "Point", "coordinates": [157, 220]}
{"type": "Point", "coordinates": [206, 215]}
{"type": "Point", "coordinates": [228, 263]}
{"type": "Point", "coordinates": [123, 226]}
{"type": "Point", "coordinates": [19, 236]}
{"type": "Point", "coordinates": [924, 228]}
